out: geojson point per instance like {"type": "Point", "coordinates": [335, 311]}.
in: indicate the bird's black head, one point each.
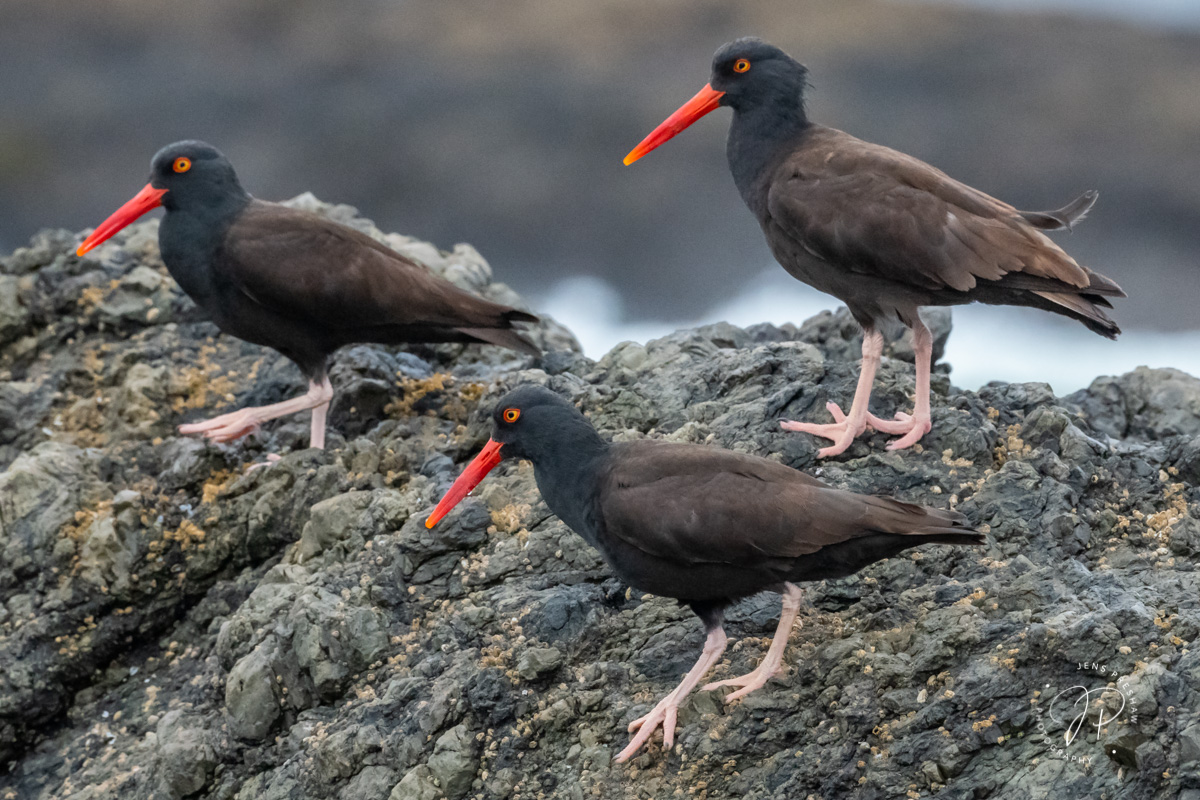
{"type": "Point", "coordinates": [186, 175]}
{"type": "Point", "coordinates": [194, 175]}
{"type": "Point", "coordinates": [748, 75]}
{"type": "Point", "coordinates": [751, 72]}
{"type": "Point", "coordinates": [529, 422]}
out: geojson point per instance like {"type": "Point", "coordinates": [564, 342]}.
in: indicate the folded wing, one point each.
{"type": "Point", "coordinates": [878, 212]}
{"type": "Point", "coordinates": [304, 265]}
{"type": "Point", "coordinates": [698, 504]}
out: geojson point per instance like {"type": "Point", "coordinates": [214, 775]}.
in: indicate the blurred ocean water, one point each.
{"type": "Point", "coordinates": [1159, 13]}
{"type": "Point", "coordinates": [987, 343]}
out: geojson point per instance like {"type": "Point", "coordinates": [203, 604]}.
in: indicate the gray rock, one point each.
{"type": "Point", "coordinates": [417, 784]}
{"type": "Point", "coordinates": [184, 757]}
{"type": "Point", "coordinates": [14, 316]}
{"type": "Point", "coordinates": [1146, 403]}
{"type": "Point", "coordinates": [453, 762]}
{"type": "Point", "coordinates": [251, 698]}
{"type": "Point", "coordinates": [373, 783]}
{"type": "Point", "coordinates": [330, 522]}
{"type": "Point", "coordinates": [40, 493]}
{"type": "Point", "coordinates": [538, 661]}
{"type": "Point", "coordinates": [143, 296]}
{"type": "Point", "coordinates": [174, 626]}
{"type": "Point", "coordinates": [1189, 745]}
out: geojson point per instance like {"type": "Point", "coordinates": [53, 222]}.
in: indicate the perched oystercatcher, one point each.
{"type": "Point", "coordinates": [294, 281]}
{"type": "Point", "coordinates": [700, 524]}
{"type": "Point", "coordinates": [881, 231]}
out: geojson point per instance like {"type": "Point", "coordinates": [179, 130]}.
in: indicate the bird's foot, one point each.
{"type": "Point", "coordinates": [840, 431]}
{"type": "Point", "coordinates": [910, 427]}
{"type": "Point", "coordinates": [272, 458]}
{"type": "Point", "coordinates": [664, 714]}
{"type": "Point", "coordinates": [749, 682]}
{"type": "Point", "coordinates": [226, 427]}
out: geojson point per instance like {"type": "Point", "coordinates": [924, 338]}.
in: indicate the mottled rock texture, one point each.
{"type": "Point", "coordinates": [172, 626]}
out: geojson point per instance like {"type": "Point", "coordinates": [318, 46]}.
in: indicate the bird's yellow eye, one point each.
{"type": "Point", "coordinates": [182, 164]}
{"type": "Point", "coordinates": [512, 414]}
{"type": "Point", "coordinates": [741, 65]}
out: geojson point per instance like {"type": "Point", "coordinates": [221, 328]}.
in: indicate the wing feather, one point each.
{"type": "Point", "coordinates": [878, 212]}
{"type": "Point", "coordinates": [689, 503]}
{"type": "Point", "coordinates": [303, 265]}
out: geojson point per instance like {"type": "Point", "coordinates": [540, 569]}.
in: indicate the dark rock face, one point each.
{"type": "Point", "coordinates": [172, 626]}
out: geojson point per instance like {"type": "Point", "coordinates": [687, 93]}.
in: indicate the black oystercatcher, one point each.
{"type": "Point", "coordinates": [879, 230]}
{"type": "Point", "coordinates": [294, 281]}
{"type": "Point", "coordinates": [700, 524]}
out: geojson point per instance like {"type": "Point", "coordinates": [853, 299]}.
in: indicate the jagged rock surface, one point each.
{"type": "Point", "coordinates": [172, 626]}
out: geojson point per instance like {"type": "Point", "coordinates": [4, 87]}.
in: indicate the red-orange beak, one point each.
{"type": "Point", "coordinates": [147, 199]}
{"type": "Point", "coordinates": [705, 101]}
{"type": "Point", "coordinates": [475, 472]}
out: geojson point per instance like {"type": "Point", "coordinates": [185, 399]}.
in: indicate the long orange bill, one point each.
{"type": "Point", "coordinates": [706, 100]}
{"type": "Point", "coordinates": [147, 199]}
{"type": "Point", "coordinates": [475, 472]}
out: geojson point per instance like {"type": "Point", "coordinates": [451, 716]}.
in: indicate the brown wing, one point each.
{"type": "Point", "coordinates": [694, 504]}
{"type": "Point", "coordinates": [301, 264]}
{"type": "Point", "coordinates": [875, 211]}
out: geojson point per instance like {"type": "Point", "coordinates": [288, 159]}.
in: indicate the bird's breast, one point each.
{"type": "Point", "coordinates": [189, 249]}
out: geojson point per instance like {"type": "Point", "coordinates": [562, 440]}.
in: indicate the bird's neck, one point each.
{"type": "Point", "coordinates": [759, 138]}
{"type": "Point", "coordinates": [189, 239]}
{"type": "Point", "coordinates": [568, 478]}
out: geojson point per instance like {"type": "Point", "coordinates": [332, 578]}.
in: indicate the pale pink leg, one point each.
{"type": "Point", "coordinates": [912, 426]}
{"type": "Point", "coordinates": [773, 660]}
{"type": "Point", "coordinates": [667, 710]}
{"type": "Point", "coordinates": [272, 458]}
{"type": "Point", "coordinates": [319, 413]}
{"type": "Point", "coordinates": [843, 430]}
{"type": "Point", "coordinates": [236, 424]}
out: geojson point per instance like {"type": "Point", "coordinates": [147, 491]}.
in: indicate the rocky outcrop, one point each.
{"type": "Point", "coordinates": [174, 626]}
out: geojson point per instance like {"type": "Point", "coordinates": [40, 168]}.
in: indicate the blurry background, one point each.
{"type": "Point", "coordinates": [504, 125]}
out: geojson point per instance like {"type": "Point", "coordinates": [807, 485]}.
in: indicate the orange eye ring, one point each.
{"type": "Point", "coordinates": [741, 65]}
{"type": "Point", "coordinates": [182, 164]}
{"type": "Point", "coordinates": [512, 414]}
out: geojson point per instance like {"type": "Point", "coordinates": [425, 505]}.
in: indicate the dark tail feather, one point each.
{"type": "Point", "coordinates": [972, 538]}
{"type": "Point", "coordinates": [849, 557]}
{"type": "Point", "coordinates": [1084, 307]}
{"type": "Point", "coordinates": [1101, 285]}
{"type": "Point", "coordinates": [513, 315]}
{"type": "Point", "coordinates": [920, 522]}
{"type": "Point", "coordinates": [1098, 285]}
{"type": "Point", "coordinates": [506, 337]}
{"type": "Point", "coordinates": [1064, 217]}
